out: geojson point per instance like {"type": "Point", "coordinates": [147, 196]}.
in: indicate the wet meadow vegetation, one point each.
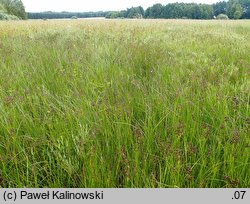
{"type": "Point", "coordinates": [124, 103]}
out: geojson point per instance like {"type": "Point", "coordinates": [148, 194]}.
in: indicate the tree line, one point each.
{"type": "Point", "coordinates": [59, 15]}
{"type": "Point", "coordinates": [234, 9]}
{"type": "Point", "coordinates": [12, 9]}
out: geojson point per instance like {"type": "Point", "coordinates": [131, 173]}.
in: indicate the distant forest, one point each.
{"type": "Point", "coordinates": [64, 14]}
{"type": "Point", "coordinates": [233, 9]}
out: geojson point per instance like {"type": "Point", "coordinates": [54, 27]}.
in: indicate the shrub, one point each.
{"type": "Point", "coordinates": [2, 16]}
{"type": "Point", "coordinates": [222, 17]}
{"type": "Point", "coordinates": [113, 14]}
{"type": "Point", "coordinates": [5, 16]}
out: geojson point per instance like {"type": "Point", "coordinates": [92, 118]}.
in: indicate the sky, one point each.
{"type": "Point", "coordinates": [96, 5]}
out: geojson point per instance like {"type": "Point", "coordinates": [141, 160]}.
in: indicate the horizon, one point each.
{"type": "Point", "coordinates": [97, 5]}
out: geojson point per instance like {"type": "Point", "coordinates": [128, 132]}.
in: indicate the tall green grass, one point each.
{"type": "Point", "coordinates": [132, 103]}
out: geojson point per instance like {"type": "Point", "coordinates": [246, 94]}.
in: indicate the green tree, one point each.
{"type": "Point", "coordinates": [113, 14]}
{"type": "Point", "coordinates": [14, 8]}
{"type": "Point", "coordinates": [245, 4]}
{"type": "Point", "coordinates": [206, 11]}
{"type": "Point", "coordinates": [155, 11]}
{"type": "Point", "coordinates": [238, 12]}
{"type": "Point", "coordinates": [234, 9]}
{"type": "Point", "coordinates": [135, 12]}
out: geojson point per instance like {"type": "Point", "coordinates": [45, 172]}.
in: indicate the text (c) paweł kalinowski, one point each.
{"type": "Point", "coordinates": [61, 195]}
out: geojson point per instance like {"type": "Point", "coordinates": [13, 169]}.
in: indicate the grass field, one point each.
{"type": "Point", "coordinates": [124, 103]}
